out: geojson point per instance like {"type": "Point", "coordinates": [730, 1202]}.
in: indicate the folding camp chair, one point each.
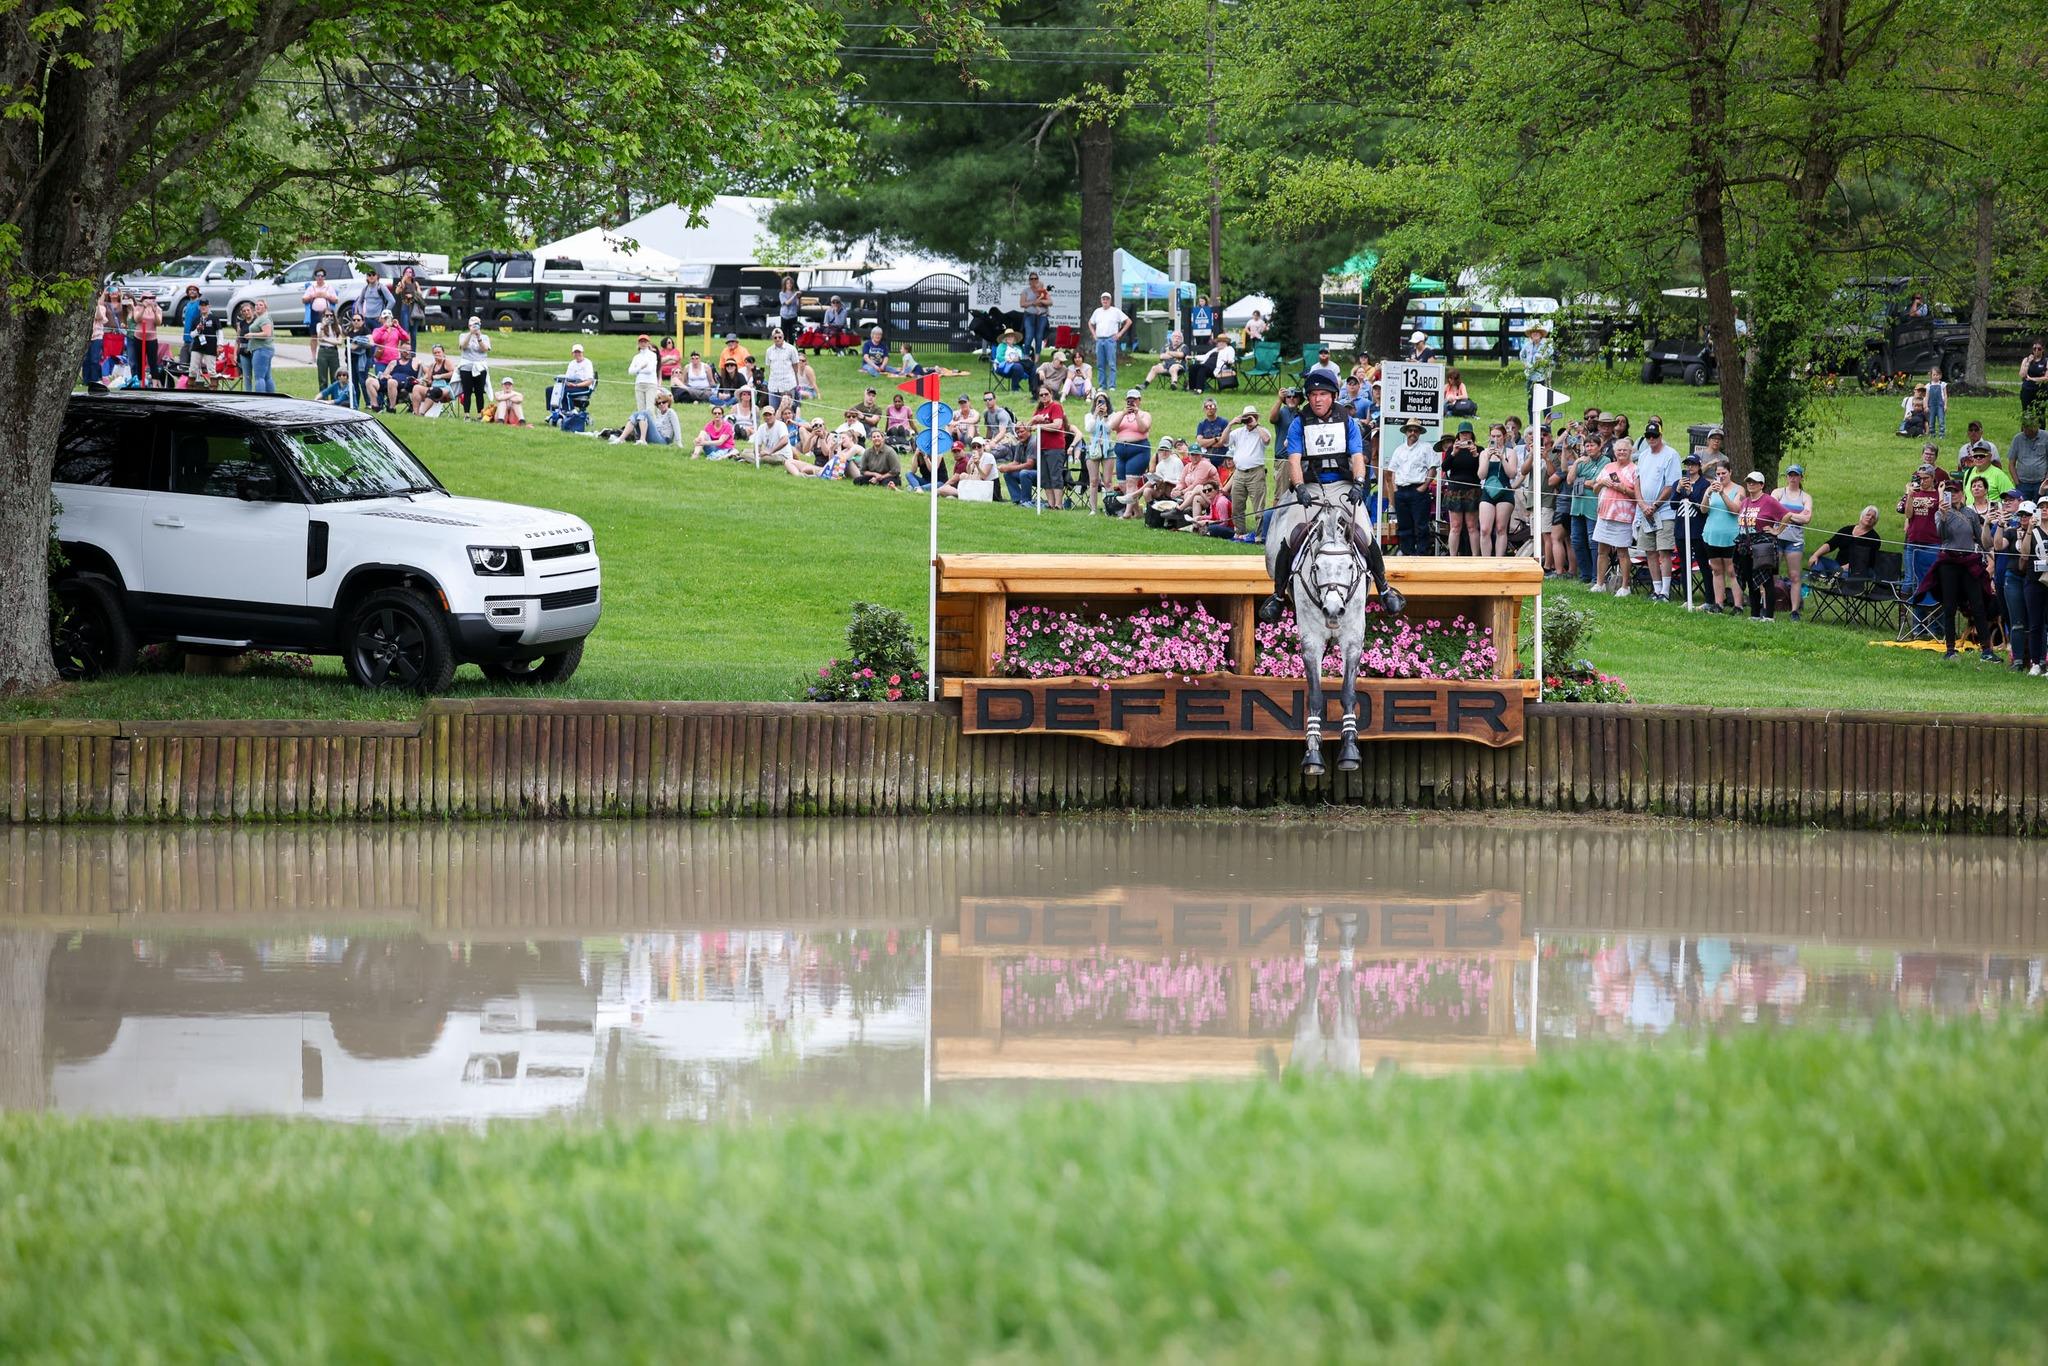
{"type": "Point", "coordinates": [1263, 372]}
{"type": "Point", "coordinates": [1873, 601]}
{"type": "Point", "coordinates": [1310, 353]}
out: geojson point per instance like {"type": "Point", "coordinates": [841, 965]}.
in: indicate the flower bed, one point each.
{"type": "Point", "coordinates": [1172, 638]}
{"type": "Point", "coordinates": [1176, 638]}
{"type": "Point", "coordinates": [1426, 995]}
{"type": "Point", "coordinates": [1395, 647]}
{"type": "Point", "coordinates": [1159, 996]}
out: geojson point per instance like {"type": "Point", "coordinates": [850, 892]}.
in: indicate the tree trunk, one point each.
{"type": "Point", "coordinates": [61, 194]}
{"type": "Point", "coordinates": [1380, 330]}
{"type": "Point", "coordinates": [1706, 82]}
{"type": "Point", "coordinates": [1215, 174]}
{"type": "Point", "coordinates": [1976, 379]}
{"type": "Point", "coordinates": [1097, 153]}
{"type": "Point", "coordinates": [1308, 309]}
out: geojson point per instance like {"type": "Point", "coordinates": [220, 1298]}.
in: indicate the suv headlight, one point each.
{"type": "Point", "coordinates": [495, 560]}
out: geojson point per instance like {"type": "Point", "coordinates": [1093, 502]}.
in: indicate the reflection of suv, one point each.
{"type": "Point", "coordinates": [232, 523]}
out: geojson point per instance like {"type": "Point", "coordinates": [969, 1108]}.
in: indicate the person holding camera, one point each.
{"type": "Point", "coordinates": [1247, 445]}
{"type": "Point", "coordinates": [1957, 577]}
{"type": "Point", "coordinates": [1759, 523]}
{"type": "Point", "coordinates": [2021, 550]}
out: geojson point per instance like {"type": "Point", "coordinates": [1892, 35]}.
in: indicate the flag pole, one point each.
{"type": "Point", "coordinates": [931, 667]}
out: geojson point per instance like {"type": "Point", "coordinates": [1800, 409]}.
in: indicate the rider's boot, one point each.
{"type": "Point", "coordinates": [1376, 565]}
{"type": "Point", "coordinates": [1283, 570]}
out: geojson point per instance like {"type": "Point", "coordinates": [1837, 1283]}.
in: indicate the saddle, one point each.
{"type": "Point", "coordinates": [1300, 530]}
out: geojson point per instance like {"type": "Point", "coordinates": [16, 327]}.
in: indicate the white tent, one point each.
{"type": "Point", "coordinates": [610, 249]}
{"type": "Point", "coordinates": [733, 229]}
{"type": "Point", "coordinates": [1240, 313]}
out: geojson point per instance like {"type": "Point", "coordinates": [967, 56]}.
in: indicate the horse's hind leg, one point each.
{"type": "Point", "coordinates": [1347, 756]}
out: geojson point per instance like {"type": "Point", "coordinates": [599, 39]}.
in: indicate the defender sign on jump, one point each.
{"type": "Point", "coordinates": [1158, 710]}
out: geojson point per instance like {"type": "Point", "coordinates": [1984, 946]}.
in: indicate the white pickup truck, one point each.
{"type": "Point", "coordinates": [228, 522]}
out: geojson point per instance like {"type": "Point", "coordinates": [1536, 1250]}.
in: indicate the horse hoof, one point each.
{"type": "Point", "coordinates": [1311, 768]}
{"type": "Point", "coordinates": [1347, 763]}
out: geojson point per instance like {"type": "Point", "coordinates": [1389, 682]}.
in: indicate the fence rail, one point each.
{"type": "Point", "coordinates": [562, 759]}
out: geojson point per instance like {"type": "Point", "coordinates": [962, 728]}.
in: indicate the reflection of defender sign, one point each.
{"type": "Point", "coordinates": [1156, 710]}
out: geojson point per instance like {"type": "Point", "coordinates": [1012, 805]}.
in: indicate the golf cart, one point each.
{"type": "Point", "coordinates": [1688, 356]}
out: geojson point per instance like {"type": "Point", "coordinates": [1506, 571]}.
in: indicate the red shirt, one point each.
{"type": "Point", "coordinates": [1053, 431]}
{"type": "Point", "coordinates": [1762, 513]}
{"type": "Point", "coordinates": [1920, 505]}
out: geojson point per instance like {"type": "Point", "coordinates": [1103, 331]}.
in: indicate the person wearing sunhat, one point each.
{"type": "Point", "coordinates": [1325, 451]}
{"type": "Point", "coordinates": [1537, 360]}
{"type": "Point", "coordinates": [1008, 359]}
{"type": "Point", "coordinates": [1406, 478]}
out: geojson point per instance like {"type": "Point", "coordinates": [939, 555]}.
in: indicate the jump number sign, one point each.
{"type": "Point", "coordinates": [1418, 391]}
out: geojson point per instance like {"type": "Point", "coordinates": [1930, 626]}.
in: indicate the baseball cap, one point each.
{"type": "Point", "coordinates": [574, 349]}
{"type": "Point", "coordinates": [1653, 429]}
{"type": "Point", "coordinates": [1925, 469]}
{"type": "Point", "coordinates": [1795, 469]}
{"type": "Point", "coordinates": [1716, 431]}
{"type": "Point", "coordinates": [1757, 475]}
{"type": "Point", "coordinates": [1134, 393]}
{"type": "Point", "coordinates": [732, 336]}
{"type": "Point", "coordinates": [1418, 336]}
{"type": "Point", "coordinates": [2013, 494]}
{"type": "Point", "coordinates": [1690, 460]}
{"type": "Point", "coordinates": [2028, 508]}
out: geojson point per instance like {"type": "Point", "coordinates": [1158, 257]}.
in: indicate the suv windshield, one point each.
{"type": "Point", "coordinates": [343, 461]}
{"type": "Point", "coordinates": [185, 268]}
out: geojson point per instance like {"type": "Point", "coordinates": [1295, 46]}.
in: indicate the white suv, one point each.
{"type": "Point", "coordinates": [226, 522]}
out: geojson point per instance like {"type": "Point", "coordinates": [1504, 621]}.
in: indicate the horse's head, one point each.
{"type": "Point", "coordinates": [1334, 568]}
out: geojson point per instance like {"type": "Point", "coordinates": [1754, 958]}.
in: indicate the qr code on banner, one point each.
{"type": "Point", "coordinates": [987, 293]}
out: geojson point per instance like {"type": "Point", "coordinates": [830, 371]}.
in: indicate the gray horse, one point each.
{"type": "Point", "coordinates": [1328, 590]}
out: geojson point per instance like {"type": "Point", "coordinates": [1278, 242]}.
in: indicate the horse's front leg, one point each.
{"type": "Point", "coordinates": [1312, 647]}
{"type": "Point", "coordinates": [1347, 757]}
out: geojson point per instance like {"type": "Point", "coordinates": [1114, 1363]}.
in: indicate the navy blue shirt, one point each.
{"type": "Point", "coordinates": [1208, 427]}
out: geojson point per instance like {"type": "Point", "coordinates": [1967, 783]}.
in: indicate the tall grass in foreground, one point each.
{"type": "Point", "coordinates": [1785, 1197]}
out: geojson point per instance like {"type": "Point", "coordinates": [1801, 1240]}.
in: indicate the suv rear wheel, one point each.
{"type": "Point", "coordinates": [89, 634]}
{"type": "Point", "coordinates": [536, 672]}
{"type": "Point", "coordinates": [396, 638]}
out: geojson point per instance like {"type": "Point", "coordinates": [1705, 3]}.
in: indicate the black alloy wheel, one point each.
{"type": "Point", "coordinates": [89, 634]}
{"type": "Point", "coordinates": [397, 639]}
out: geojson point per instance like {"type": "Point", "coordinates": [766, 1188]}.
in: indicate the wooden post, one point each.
{"type": "Point", "coordinates": [1244, 639]}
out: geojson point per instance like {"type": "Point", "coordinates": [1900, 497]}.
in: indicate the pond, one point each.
{"type": "Point", "coordinates": [736, 971]}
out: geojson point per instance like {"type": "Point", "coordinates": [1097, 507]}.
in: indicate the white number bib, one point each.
{"type": "Point", "coordinates": [1322, 439]}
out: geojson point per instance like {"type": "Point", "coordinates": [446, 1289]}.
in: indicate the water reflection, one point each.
{"type": "Point", "coordinates": [716, 972]}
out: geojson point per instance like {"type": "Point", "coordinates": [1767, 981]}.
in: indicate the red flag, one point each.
{"type": "Point", "coordinates": [925, 387]}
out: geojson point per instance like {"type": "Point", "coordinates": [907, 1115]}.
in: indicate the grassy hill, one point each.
{"type": "Point", "coordinates": [726, 582]}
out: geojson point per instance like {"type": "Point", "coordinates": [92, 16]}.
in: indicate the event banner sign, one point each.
{"type": "Point", "coordinates": [1410, 391]}
{"type": "Point", "coordinates": [1157, 710]}
{"type": "Point", "coordinates": [1060, 272]}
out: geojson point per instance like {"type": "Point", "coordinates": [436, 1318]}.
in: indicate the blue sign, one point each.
{"type": "Point", "coordinates": [935, 414]}
{"type": "Point", "coordinates": [940, 435]}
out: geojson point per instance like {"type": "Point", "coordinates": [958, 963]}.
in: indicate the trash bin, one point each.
{"type": "Point", "coordinates": [1150, 329]}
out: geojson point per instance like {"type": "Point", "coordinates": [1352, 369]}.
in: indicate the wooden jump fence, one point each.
{"type": "Point", "coordinates": [535, 759]}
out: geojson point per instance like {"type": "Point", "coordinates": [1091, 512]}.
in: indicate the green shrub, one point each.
{"type": "Point", "coordinates": [881, 663]}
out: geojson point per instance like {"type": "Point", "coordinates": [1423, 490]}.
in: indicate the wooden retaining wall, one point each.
{"type": "Point", "coordinates": [563, 759]}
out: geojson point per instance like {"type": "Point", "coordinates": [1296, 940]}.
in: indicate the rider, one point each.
{"type": "Point", "coordinates": [1323, 446]}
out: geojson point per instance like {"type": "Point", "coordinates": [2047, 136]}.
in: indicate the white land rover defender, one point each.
{"type": "Point", "coordinates": [226, 522]}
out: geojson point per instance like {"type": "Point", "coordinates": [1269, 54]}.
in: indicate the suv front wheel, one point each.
{"type": "Point", "coordinates": [396, 638]}
{"type": "Point", "coordinates": [89, 634]}
{"type": "Point", "coordinates": [539, 672]}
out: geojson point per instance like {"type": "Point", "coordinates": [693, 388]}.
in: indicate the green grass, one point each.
{"type": "Point", "coordinates": [1779, 1197]}
{"type": "Point", "coordinates": [725, 582]}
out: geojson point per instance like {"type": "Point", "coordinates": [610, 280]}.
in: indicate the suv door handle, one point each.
{"type": "Point", "coordinates": [176, 522]}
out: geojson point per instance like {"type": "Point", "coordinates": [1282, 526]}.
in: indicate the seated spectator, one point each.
{"type": "Point", "coordinates": [1217, 366]}
{"type": "Point", "coordinates": [966, 423]}
{"type": "Point", "coordinates": [656, 428]}
{"type": "Point", "coordinates": [1324, 365]}
{"type": "Point", "coordinates": [837, 466]}
{"type": "Point", "coordinates": [870, 410]}
{"type": "Point", "coordinates": [879, 467]}
{"type": "Point", "coordinates": [1458, 400]}
{"type": "Point", "coordinates": [1158, 480]}
{"type": "Point", "coordinates": [695, 384]}
{"type": "Point", "coordinates": [975, 480]}
{"type": "Point", "coordinates": [899, 424]}
{"type": "Point", "coordinates": [579, 378]}
{"type": "Point", "coordinates": [1052, 372]}
{"type": "Point", "coordinates": [509, 407]}
{"type": "Point", "coordinates": [1199, 478]}
{"type": "Point", "coordinates": [994, 416]}
{"type": "Point", "coordinates": [906, 364]}
{"type": "Point", "coordinates": [813, 441]}
{"type": "Point", "coordinates": [1018, 465]}
{"type": "Point", "coordinates": [1852, 551]}
{"type": "Point", "coordinates": [774, 440]}
{"type": "Point", "coordinates": [719, 439]}
{"type": "Point", "coordinates": [1080, 379]}
{"type": "Point", "coordinates": [436, 384]}
{"type": "Point", "coordinates": [853, 425]}
{"type": "Point", "coordinates": [1916, 420]}
{"type": "Point", "coordinates": [396, 381]}
{"type": "Point", "coordinates": [837, 325]}
{"type": "Point", "coordinates": [874, 355]}
{"type": "Point", "coordinates": [743, 416]}
{"type": "Point", "coordinates": [668, 360]}
{"type": "Point", "coordinates": [1009, 360]}
{"type": "Point", "coordinates": [1172, 362]}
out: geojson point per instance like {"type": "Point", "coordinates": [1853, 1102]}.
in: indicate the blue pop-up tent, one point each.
{"type": "Point", "coordinates": [1140, 281]}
